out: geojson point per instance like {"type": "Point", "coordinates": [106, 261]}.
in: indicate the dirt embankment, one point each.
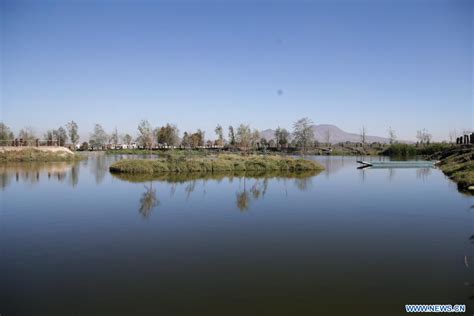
{"type": "Point", "coordinates": [20, 154]}
{"type": "Point", "coordinates": [458, 164]}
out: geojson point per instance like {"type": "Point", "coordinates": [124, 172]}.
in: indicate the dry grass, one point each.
{"type": "Point", "coordinates": [22, 154]}
{"type": "Point", "coordinates": [458, 165]}
{"type": "Point", "coordinates": [220, 163]}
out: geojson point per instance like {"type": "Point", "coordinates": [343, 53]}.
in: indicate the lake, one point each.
{"type": "Point", "coordinates": [77, 240]}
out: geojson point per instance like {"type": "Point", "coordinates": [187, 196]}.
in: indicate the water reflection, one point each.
{"type": "Point", "coordinates": [32, 173]}
{"type": "Point", "coordinates": [253, 185]}
{"type": "Point", "coordinates": [148, 201]}
{"type": "Point", "coordinates": [423, 173]}
{"type": "Point", "coordinates": [175, 177]}
{"type": "Point", "coordinates": [298, 240]}
{"type": "Point", "coordinates": [468, 252]}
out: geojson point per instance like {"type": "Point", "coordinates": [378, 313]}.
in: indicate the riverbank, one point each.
{"type": "Point", "coordinates": [214, 163]}
{"type": "Point", "coordinates": [40, 154]}
{"type": "Point", "coordinates": [458, 164]}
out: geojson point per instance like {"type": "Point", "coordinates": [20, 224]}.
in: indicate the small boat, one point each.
{"type": "Point", "coordinates": [397, 164]}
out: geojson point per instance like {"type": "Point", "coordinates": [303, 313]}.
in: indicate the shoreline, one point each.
{"type": "Point", "coordinates": [458, 165]}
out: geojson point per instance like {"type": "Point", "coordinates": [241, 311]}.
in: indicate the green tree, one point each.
{"type": "Point", "coordinates": [303, 133]}
{"type": "Point", "coordinates": [167, 135]}
{"type": "Point", "coordinates": [186, 141]}
{"type": "Point", "coordinates": [73, 132]}
{"type": "Point", "coordinates": [6, 136]}
{"type": "Point", "coordinates": [60, 136]}
{"type": "Point", "coordinates": [127, 139]}
{"type": "Point", "coordinates": [231, 136]}
{"type": "Point", "coordinates": [197, 139]}
{"type": "Point", "coordinates": [281, 136]}
{"type": "Point", "coordinates": [49, 136]}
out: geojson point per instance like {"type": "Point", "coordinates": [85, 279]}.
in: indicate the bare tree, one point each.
{"type": "Point", "coordinates": [146, 134]}
{"type": "Point", "coordinates": [220, 135]}
{"type": "Point", "coordinates": [303, 133]}
{"type": "Point", "coordinates": [363, 134]}
{"type": "Point", "coordinates": [391, 135]}
{"type": "Point", "coordinates": [114, 138]}
{"type": "Point", "coordinates": [28, 135]}
{"type": "Point", "coordinates": [98, 138]}
{"type": "Point", "coordinates": [243, 136]}
{"type": "Point", "coordinates": [423, 136]}
{"type": "Point", "coordinates": [255, 138]}
{"type": "Point", "coordinates": [453, 134]}
{"type": "Point", "coordinates": [327, 137]}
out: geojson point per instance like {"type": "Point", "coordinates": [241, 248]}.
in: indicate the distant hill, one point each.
{"type": "Point", "coordinates": [337, 135]}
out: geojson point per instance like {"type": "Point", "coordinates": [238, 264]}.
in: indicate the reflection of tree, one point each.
{"type": "Point", "coordinates": [423, 173]}
{"type": "Point", "coordinates": [148, 201]}
{"type": "Point", "coordinates": [391, 174]}
{"type": "Point", "coordinates": [74, 175]}
{"type": "Point", "coordinates": [33, 172]}
{"type": "Point", "coordinates": [303, 183]}
{"type": "Point", "coordinates": [362, 175]}
{"type": "Point", "coordinates": [99, 168]}
{"type": "Point", "coordinates": [4, 180]}
{"type": "Point", "coordinates": [190, 189]}
{"type": "Point", "coordinates": [243, 201]}
{"type": "Point", "coordinates": [257, 190]}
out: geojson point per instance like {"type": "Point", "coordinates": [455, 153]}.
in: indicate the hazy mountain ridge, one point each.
{"type": "Point", "coordinates": [337, 135]}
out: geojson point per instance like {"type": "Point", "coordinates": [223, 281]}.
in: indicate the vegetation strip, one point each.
{"type": "Point", "coordinates": [458, 164]}
{"type": "Point", "coordinates": [26, 154]}
{"type": "Point", "coordinates": [214, 164]}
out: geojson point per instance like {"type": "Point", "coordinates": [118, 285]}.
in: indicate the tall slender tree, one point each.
{"type": "Point", "coordinates": [73, 133]}
{"type": "Point", "coordinates": [392, 137]}
{"type": "Point", "coordinates": [220, 135]}
{"type": "Point", "coordinates": [231, 136]}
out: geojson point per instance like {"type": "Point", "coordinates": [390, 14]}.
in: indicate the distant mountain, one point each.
{"type": "Point", "coordinates": [337, 135]}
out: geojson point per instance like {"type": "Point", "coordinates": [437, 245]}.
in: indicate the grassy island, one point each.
{"type": "Point", "coordinates": [217, 163]}
{"type": "Point", "coordinates": [40, 154]}
{"type": "Point", "coordinates": [458, 164]}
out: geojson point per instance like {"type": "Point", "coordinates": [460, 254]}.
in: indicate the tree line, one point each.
{"type": "Point", "coordinates": [242, 136]}
{"type": "Point", "coordinates": [59, 136]}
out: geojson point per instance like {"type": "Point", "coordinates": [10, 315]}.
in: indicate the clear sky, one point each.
{"type": "Point", "coordinates": [405, 64]}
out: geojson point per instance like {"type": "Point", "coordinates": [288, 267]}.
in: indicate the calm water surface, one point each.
{"type": "Point", "coordinates": [76, 240]}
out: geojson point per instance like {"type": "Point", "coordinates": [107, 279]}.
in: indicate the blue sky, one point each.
{"type": "Point", "coordinates": [405, 64]}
